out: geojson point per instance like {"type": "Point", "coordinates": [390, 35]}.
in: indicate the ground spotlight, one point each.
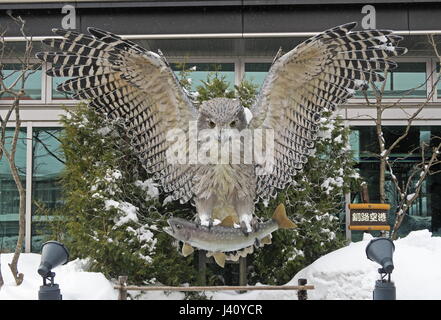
{"type": "Point", "coordinates": [381, 251]}
{"type": "Point", "coordinates": [53, 254]}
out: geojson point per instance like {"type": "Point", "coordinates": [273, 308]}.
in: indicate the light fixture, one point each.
{"type": "Point", "coordinates": [53, 254]}
{"type": "Point", "coordinates": [381, 251]}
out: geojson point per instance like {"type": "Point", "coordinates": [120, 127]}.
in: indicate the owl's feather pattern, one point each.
{"type": "Point", "coordinates": [317, 75]}
{"type": "Point", "coordinates": [124, 81]}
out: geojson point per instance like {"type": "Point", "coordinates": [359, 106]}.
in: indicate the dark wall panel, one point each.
{"type": "Point", "coordinates": [423, 17]}
{"type": "Point", "coordinates": [318, 18]}
{"type": "Point", "coordinates": [228, 19]}
{"type": "Point", "coordinates": [160, 21]}
{"type": "Point", "coordinates": [38, 22]}
{"type": "Point", "coordinates": [134, 20]}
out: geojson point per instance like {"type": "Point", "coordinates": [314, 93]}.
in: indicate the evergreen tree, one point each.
{"type": "Point", "coordinates": [214, 87]}
{"type": "Point", "coordinates": [246, 92]}
{"type": "Point", "coordinates": [113, 213]}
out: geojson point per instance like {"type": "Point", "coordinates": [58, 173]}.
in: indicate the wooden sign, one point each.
{"type": "Point", "coordinates": [368, 216]}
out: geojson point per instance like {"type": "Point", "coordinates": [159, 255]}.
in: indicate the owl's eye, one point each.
{"type": "Point", "coordinates": [178, 226]}
{"type": "Point", "coordinates": [211, 124]}
{"type": "Point", "coordinates": [232, 124]}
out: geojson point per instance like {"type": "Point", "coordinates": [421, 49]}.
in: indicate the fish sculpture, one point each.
{"type": "Point", "coordinates": [224, 241]}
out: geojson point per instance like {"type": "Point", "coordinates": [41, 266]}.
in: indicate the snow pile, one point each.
{"type": "Point", "coordinates": [343, 274]}
{"type": "Point", "coordinates": [75, 284]}
{"type": "Point", "coordinates": [347, 273]}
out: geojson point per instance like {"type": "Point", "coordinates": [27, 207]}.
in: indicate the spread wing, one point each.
{"type": "Point", "coordinates": [319, 74]}
{"type": "Point", "coordinates": [124, 81]}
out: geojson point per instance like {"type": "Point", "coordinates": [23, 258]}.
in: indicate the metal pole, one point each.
{"type": "Point", "coordinates": [243, 271]}
{"type": "Point", "coordinates": [384, 290]}
{"type": "Point", "coordinates": [202, 267]}
{"type": "Point", "coordinates": [347, 217]}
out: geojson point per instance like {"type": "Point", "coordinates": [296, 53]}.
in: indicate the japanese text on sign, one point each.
{"type": "Point", "coordinates": [369, 217]}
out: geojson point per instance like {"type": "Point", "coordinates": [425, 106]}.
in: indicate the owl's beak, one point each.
{"type": "Point", "coordinates": [219, 134]}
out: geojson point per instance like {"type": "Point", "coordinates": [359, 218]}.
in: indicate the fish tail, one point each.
{"type": "Point", "coordinates": [282, 219]}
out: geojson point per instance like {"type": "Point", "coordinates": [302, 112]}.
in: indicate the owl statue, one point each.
{"type": "Point", "coordinates": [122, 80]}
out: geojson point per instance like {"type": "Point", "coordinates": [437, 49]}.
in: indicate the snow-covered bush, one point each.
{"type": "Point", "coordinates": [113, 213]}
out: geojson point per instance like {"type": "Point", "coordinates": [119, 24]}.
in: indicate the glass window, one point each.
{"type": "Point", "coordinates": [48, 163]}
{"type": "Point", "coordinates": [9, 197]}
{"type": "Point", "coordinates": [256, 72]}
{"type": "Point", "coordinates": [57, 95]}
{"type": "Point", "coordinates": [202, 70]}
{"type": "Point", "coordinates": [12, 71]}
{"type": "Point", "coordinates": [407, 81]}
{"type": "Point", "coordinates": [364, 141]}
{"type": "Point", "coordinates": [426, 210]}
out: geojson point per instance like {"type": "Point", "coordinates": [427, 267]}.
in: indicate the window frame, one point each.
{"type": "Point", "coordinates": [190, 59]}
{"type": "Point", "coordinates": [49, 98]}
{"type": "Point", "coordinates": [30, 177]}
{"type": "Point", "coordinates": [239, 72]}
{"type": "Point", "coordinates": [433, 62]}
{"type": "Point", "coordinates": [429, 84]}
{"type": "Point", "coordinates": [398, 124]}
{"type": "Point", "coordinates": [28, 126]}
{"type": "Point", "coordinates": [254, 60]}
{"type": "Point", "coordinates": [40, 101]}
{"type": "Point", "coordinates": [46, 90]}
{"type": "Point", "coordinates": [429, 61]}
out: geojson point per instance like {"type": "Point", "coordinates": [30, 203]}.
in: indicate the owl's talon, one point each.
{"type": "Point", "coordinates": [245, 228]}
{"type": "Point", "coordinates": [255, 224]}
{"type": "Point", "coordinates": [206, 222]}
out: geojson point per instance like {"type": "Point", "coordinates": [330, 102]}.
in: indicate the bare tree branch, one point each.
{"type": "Point", "coordinates": [410, 189]}
{"type": "Point", "coordinates": [46, 147]}
{"type": "Point", "coordinates": [26, 69]}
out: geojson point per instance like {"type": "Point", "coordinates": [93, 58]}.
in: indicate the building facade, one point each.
{"type": "Point", "coordinates": [238, 39]}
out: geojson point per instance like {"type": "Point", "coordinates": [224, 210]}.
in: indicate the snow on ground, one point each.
{"type": "Point", "coordinates": [75, 284]}
{"type": "Point", "coordinates": [347, 273]}
{"type": "Point", "coordinates": [343, 274]}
